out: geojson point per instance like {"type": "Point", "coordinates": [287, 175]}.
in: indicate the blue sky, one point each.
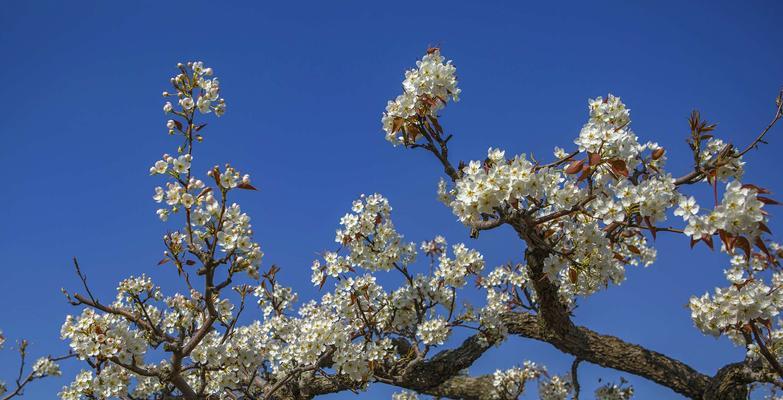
{"type": "Point", "coordinates": [305, 85]}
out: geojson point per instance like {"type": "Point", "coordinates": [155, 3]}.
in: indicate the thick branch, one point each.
{"type": "Point", "coordinates": [611, 352]}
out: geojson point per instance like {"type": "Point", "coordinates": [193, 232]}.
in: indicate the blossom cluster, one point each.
{"type": "Point", "coordinates": [739, 213]}
{"type": "Point", "coordinates": [434, 331]}
{"type": "Point", "coordinates": [586, 258]}
{"type": "Point", "coordinates": [195, 89]}
{"type": "Point", "coordinates": [556, 388]}
{"type": "Point", "coordinates": [105, 336]}
{"type": "Point", "coordinates": [110, 382]}
{"type": "Point", "coordinates": [613, 391]}
{"type": "Point", "coordinates": [466, 262]}
{"type": "Point", "coordinates": [370, 241]}
{"type": "Point", "coordinates": [45, 366]}
{"type": "Point", "coordinates": [510, 384]}
{"type": "Point", "coordinates": [731, 166]}
{"type": "Point", "coordinates": [607, 132]}
{"type": "Point", "coordinates": [405, 395]}
{"type": "Point", "coordinates": [426, 89]}
{"type": "Point", "coordinates": [748, 299]}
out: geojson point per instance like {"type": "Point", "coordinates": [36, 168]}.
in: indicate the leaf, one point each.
{"type": "Point", "coordinates": [594, 158]}
{"type": "Point", "coordinates": [163, 261]}
{"type": "Point", "coordinates": [216, 175]}
{"type": "Point", "coordinates": [767, 200]}
{"type": "Point", "coordinates": [758, 189]}
{"type": "Point", "coordinates": [411, 132]}
{"type": "Point", "coordinates": [658, 153]}
{"type": "Point", "coordinates": [574, 167]}
{"type": "Point", "coordinates": [397, 124]}
{"type": "Point", "coordinates": [653, 231]}
{"type": "Point", "coordinates": [178, 124]}
{"type": "Point", "coordinates": [436, 124]}
{"type": "Point", "coordinates": [708, 239]}
{"type": "Point", "coordinates": [618, 167]}
{"type": "Point", "coordinates": [633, 249]}
{"type": "Point", "coordinates": [585, 174]}
{"type": "Point", "coordinates": [764, 227]}
{"type": "Point", "coordinates": [727, 239]}
{"type": "Point", "coordinates": [743, 244]}
{"type": "Point", "coordinates": [190, 262]}
{"type": "Point", "coordinates": [573, 275]}
{"type": "Point", "coordinates": [200, 127]}
{"type": "Point", "coordinates": [763, 247]}
{"type": "Point", "coordinates": [246, 186]}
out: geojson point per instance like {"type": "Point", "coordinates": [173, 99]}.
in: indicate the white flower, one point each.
{"type": "Point", "coordinates": [182, 163]}
{"type": "Point", "coordinates": [687, 208]}
{"type": "Point", "coordinates": [187, 103]}
{"type": "Point", "coordinates": [44, 366]}
{"type": "Point", "coordinates": [434, 331]}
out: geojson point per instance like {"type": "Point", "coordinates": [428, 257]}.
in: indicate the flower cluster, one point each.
{"type": "Point", "coordinates": [105, 336]}
{"type": "Point", "coordinates": [195, 89]}
{"type": "Point", "coordinates": [434, 247]}
{"type": "Point", "coordinates": [739, 213]}
{"type": "Point", "coordinates": [434, 331]}
{"type": "Point", "coordinates": [44, 366]}
{"type": "Point", "coordinates": [613, 391]}
{"type": "Point", "coordinates": [466, 261]}
{"type": "Point", "coordinates": [510, 384]}
{"type": "Point", "coordinates": [427, 89]}
{"type": "Point", "coordinates": [405, 395]}
{"type": "Point", "coordinates": [370, 240]}
{"type": "Point", "coordinates": [556, 388]}
{"type": "Point", "coordinates": [110, 382]}
{"type": "Point", "coordinates": [607, 133]}
{"type": "Point", "coordinates": [731, 165]}
{"type": "Point", "coordinates": [748, 299]}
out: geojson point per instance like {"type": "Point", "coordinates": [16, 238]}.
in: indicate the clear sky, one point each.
{"type": "Point", "coordinates": [305, 85]}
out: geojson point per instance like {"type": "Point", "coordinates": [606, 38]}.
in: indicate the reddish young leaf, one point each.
{"type": "Point", "coordinates": [397, 124]}
{"type": "Point", "coordinates": [759, 189]}
{"type": "Point", "coordinates": [573, 275]}
{"type": "Point", "coordinates": [658, 153]}
{"type": "Point", "coordinates": [594, 158]}
{"type": "Point", "coordinates": [246, 186]}
{"type": "Point", "coordinates": [619, 168]}
{"type": "Point", "coordinates": [653, 230]}
{"type": "Point", "coordinates": [436, 124]}
{"type": "Point", "coordinates": [574, 167]}
{"type": "Point", "coordinates": [743, 244]}
{"type": "Point", "coordinates": [762, 246]}
{"type": "Point", "coordinates": [727, 239]}
{"type": "Point", "coordinates": [767, 200]}
{"type": "Point", "coordinates": [708, 239]}
{"type": "Point", "coordinates": [585, 174]}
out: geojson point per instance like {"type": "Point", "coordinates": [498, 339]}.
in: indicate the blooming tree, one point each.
{"type": "Point", "coordinates": [584, 217]}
